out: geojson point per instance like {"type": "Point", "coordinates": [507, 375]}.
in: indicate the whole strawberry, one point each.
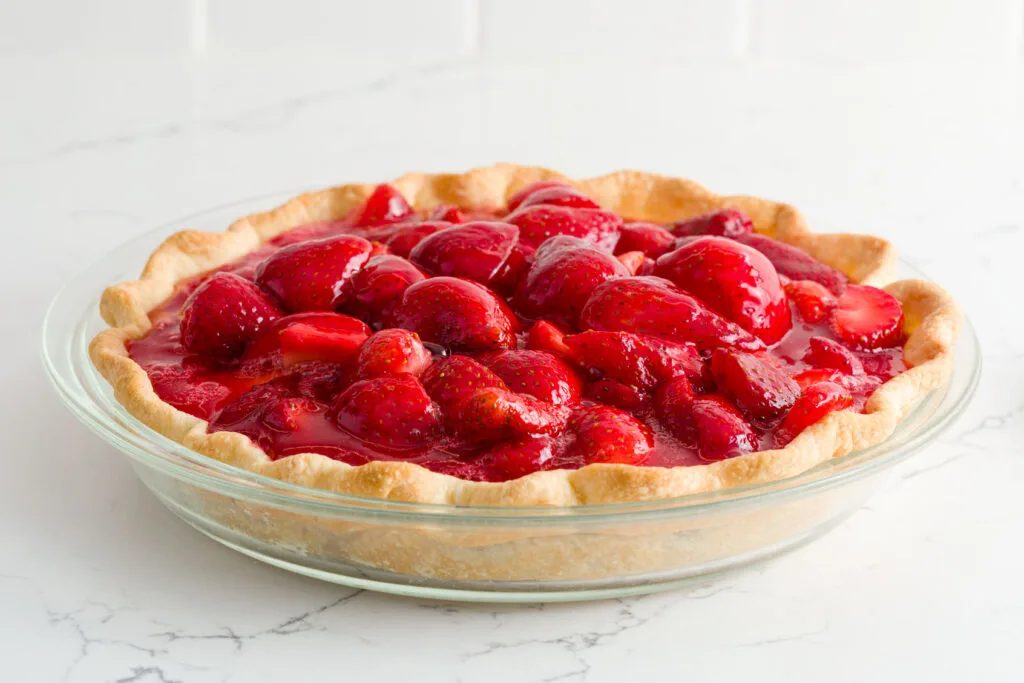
{"type": "Point", "coordinates": [223, 314]}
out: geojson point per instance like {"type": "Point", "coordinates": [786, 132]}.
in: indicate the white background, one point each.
{"type": "Point", "coordinates": [903, 118]}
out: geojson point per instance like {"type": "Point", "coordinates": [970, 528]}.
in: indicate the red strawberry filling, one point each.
{"type": "Point", "coordinates": [550, 334]}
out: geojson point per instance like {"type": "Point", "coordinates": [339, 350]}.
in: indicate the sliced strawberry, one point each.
{"type": "Point", "coordinates": [672, 404]}
{"type": "Point", "coordinates": [448, 212]}
{"type": "Point", "coordinates": [375, 289]}
{"type": "Point", "coordinates": [652, 305]}
{"type": "Point", "coordinates": [491, 415]}
{"type": "Point", "coordinates": [559, 195]}
{"type": "Point", "coordinates": [546, 336]}
{"type": "Point", "coordinates": [650, 238]}
{"type": "Point", "coordinates": [861, 385]}
{"type": "Point", "coordinates": [518, 457]}
{"type": "Point", "coordinates": [506, 280]}
{"type": "Point", "coordinates": [393, 412]}
{"type": "Point", "coordinates": [632, 260]}
{"type": "Point", "coordinates": [733, 280]}
{"type": "Point", "coordinates": [816, 401]}
{"type": "Point", "coordinates": [612, 392]}
{"type": "Point", "coordinates": [312, 276]}
{"type": "Point", "coordinates": [459, 314]}
{"type": "Point", "coordinates": [724, 223]}
{"type": "Point", "coordinates": [806, 378]}
{"type": "Point", "coordinates": [564, 273]}
{"type": "Point", "coordinates": [813, 302]}
{"type": "Point", "coordinates": [392, 352]}
{"type": "Point", "coordinates": [635, 359]}
{"type": "Point", "coordinates": [385, 205]}
{"type": "Point", "coordinates": [823, 352]}
{"type": "Point", "coordinates": [452, 379]}
{"type": "Point", "coordinates": [795, 264]}
{"type": "Point", "coordinates": [539, 374]}
{"type": "Point", "coordinates": [868, 318]}
{"type": "Point", "coordinates": [610, 435]}
{"type": "Point", "coordinates": [519, 197]}
{"type": "Point", "coordinates": [538, 223]}
{"type": "Point", "coordinates": [761, 389]}
{"type": "Point", "coordinates": [223, 314]}
{"type": "Point", "coordinates": [320, 336]}
{"type": "Point", "coordinates": [475, 251]}
{"type": "Point", "coordinates": [721, 430]}
{"type": "Point", "coordinates": [402, 238]}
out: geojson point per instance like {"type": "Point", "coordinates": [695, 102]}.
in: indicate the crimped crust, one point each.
{"type": "Point", "coordinates": [932, 324]}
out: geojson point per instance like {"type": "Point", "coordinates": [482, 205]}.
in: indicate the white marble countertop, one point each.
{"type": "Point", "coordinates": [98, 582]}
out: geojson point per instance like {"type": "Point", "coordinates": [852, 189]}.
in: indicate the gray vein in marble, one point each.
{"type": "Point", "coordinates": [146, 673]}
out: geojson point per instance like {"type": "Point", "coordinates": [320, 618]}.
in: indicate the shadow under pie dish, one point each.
{"type": "Point", "coordinates": [510, 337]}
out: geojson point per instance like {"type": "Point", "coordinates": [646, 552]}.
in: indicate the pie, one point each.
{"type": "Point", "coordinates": [509, 336]}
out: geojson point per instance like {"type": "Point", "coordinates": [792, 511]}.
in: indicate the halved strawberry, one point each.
{"type": "Point", "coordinates": [385, 205]}
{"type": "Point", "coordinates": [375, 289]}
{"type": "Point", "coordinates": [475, 250]}
{"type": "Point", "coordinates": [559, 195]}
{"type": "Point", "coordinates": [868, 318]}
{"type": "Point", "coordinates": [390, 353]}
{"type": "Point", "coordinates": [522, 195]}
{"type": "Point", "coordinates": [733, 280]}
{"type": "Point", "coordinates": [223, 314]}
{"type": "Point", "coordinates": [518, 457]}
{"type": "Point", "coordinates": [448, 212]}
{"type": "Point", "coordinates": [491, 415]}
{"type": "Point", "coordinates": [458, 314]}
{"type": "Point", "coordinates": [610, 435]}
{"type": "Point", "coordinates": [813, 302]}
{"type": "Point", "coordinates": [806, 378]}
{"type": "Point", "coordinates": [721, 430]}
{"type": "Point", "coordinates": [724, 223]}
{"type": "Point", "coordinates": [794, 263]}
{"type": "Point", "coordinates": [632, 260]}
{"type": "Point", "coordinates": [761, 389]}
{"type": "Point", "coordinates": [823, 352]}
{"type": "Point", "coordinates": [652, 305]}
{"type": "Point", "coordinates": [539, 374]}
{"type": "Point", "coordinates": [816, 401]}
{"type": "Point", "coordinates": [612, 392]}
{"type": "Point", "coordinates": [650, 238]}
{"type": "Point", "coordinates": [564, 273]}
{"type": "Point", "coordinates": [635, 359]}
{"type": "Point", "coordinates": [546, 336]}
{"type": "Point", "coordinates": [320, 336]}
{"type": "Point", "coordinates": [538, 223]}
{"type": "Point", "coordinates": [452, 379]}
{"type": "Point", "coordinates": [312, 276]}
{"type": "Point", "coordinates": [393, 412]}
{"type": "Point", "coordinates": [401, 239]}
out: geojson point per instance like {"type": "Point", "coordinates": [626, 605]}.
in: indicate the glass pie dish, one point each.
{"type": "Point", "coordinates": [469, 553]}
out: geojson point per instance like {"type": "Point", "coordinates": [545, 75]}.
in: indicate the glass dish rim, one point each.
{"type": "Point", "coordinates": [209, 473]}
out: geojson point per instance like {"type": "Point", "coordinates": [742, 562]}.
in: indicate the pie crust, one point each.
{"type": "Point", "coordinates": [932, 322]}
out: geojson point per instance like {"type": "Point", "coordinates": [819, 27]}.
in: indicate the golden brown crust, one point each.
{"type": "Point", "coordinates": [932, 325]}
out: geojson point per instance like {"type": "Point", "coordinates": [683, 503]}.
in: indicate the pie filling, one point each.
{"type": "Point", "coordinates": [551, 334]}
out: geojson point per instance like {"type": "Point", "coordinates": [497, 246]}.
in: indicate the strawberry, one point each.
{"type": "Point", "coordinates": [650, 238]}
{"type": "Point", "coordinates": [612, 392]}
{"type": "Point", "coordinates": [724, 223]}
{"type": "Point", "coordinates": [385, 205]}
{"type": "Point", "coordinates": [610, 435]}
{"type": "Point", "coordinates": [539, 374]}
{"type": "Point", "coordinates": [795, 264]}
{"type": "Point", "coordinates": [826, 353]}
{"type": "Point", "coordinates": [537, 223]}
{"type": "Point", "coordinates": [546, 336]}
{"type": "Point", "coordinates": [459, 314]}
{"type": "Point", "coordinates": [392, 412]}
{"type": "Point", "coordinates": [720, 428]}
{"type": "Point", "coordinates": [319, 336]}
{"type": "Point", "coordinates": [761, 389]}
{"type": "Point", "coordinates": [733, 280]}
{"type": "Point", "coordinates": [375, 289]}
{"type": "Point", "coordinates": [402, 238]}
{"type": "Point", "coordinates": [813, 302]}
{"type": "Point", "coordinates": [519, 197]}
{"type": "Point", "coordinates": [816, 401]}
{"type": "Point", "coordinates": [559, 195]}
{"type": "Point", "coordinates": [518, 457]}
{"type": "Point", "coordinates": [390, 353]}
{"type": "Point", "coordinates": [564, 273]}
{"type": "Point", "coordinates": [634, 359]}
{"type": "Point", "coordinates": [652, 305]}
{"type": "Point", "coordinates": [289, 414]}
{"type": "Point", "coordinates": [448, 212]}
{"type": "Point", "coordinates": [672, 404]}
{"type": "Point", "coordinates": [806, 378]}
{"type": "Point", "coordinates": [511, 272]}
{"type": "Point", "coordinates": [632, 260]}
{"type": "Point", "coordinates": [452, 379]}
{"type": "Point", "coordinates": [475, 251]}
{"type": "Point", "coordinates": [312, 276]}
{"type": "Point", "coordinates": [223, 314]}
{"type": "Point", "coordinates": [490, 415]}
{"type": "Point", "coordinates": [868, 318]}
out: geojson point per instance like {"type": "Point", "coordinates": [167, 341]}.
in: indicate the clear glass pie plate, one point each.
{"type": "Point", "coordinates": [462, 553]}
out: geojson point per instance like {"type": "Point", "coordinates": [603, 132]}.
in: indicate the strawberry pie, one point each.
{"type": "Point", "coordinates": [509, 336]}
